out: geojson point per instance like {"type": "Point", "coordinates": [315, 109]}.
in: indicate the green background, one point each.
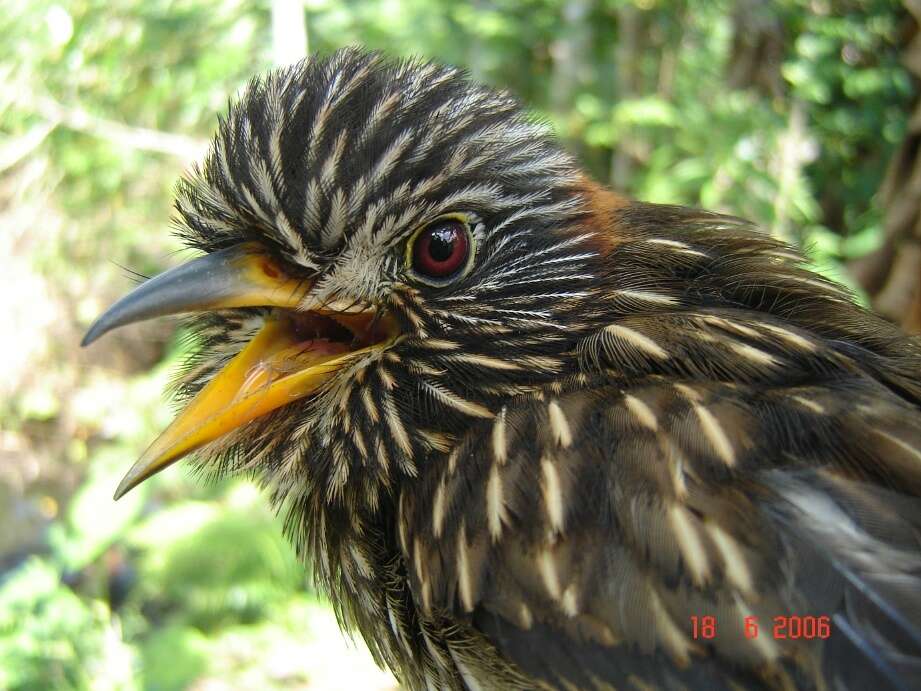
{"type": "Point", "coordinates": [784, 112]}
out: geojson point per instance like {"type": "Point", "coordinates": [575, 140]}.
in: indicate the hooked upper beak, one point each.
{"type": "Point", "coordinates": [291, 356]}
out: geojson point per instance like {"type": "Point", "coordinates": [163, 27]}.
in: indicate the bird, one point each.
{"type": "Point", "coordinates": [529, 433]}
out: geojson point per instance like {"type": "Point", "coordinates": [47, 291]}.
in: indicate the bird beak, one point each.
{"type": "Point", "coordinates": [291, 356]}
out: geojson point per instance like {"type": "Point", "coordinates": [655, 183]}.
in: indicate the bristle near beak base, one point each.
{"type": "Point", "coordinates": [289, 358]}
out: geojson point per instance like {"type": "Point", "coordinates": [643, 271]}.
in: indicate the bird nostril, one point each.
{"type": "Point", "coordinates": [270, 270]}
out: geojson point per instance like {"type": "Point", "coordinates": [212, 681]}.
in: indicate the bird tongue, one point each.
{"type": "Point", "coordinates": [275, 368]}
{"type": "Point", "coordinates": [284, 362]}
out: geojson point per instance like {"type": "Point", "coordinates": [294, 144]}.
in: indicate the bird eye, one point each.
{"type": "Point", "coordinates": [441, 250]}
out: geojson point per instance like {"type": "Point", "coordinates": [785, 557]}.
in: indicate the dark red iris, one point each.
{"type": "Point", "coordinates": [441, 249]}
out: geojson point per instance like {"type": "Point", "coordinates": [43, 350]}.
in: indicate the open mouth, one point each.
{"type": "Point", "coordinates": [338, 331]}
{"type": "Point", "coordinates": [295, 352]}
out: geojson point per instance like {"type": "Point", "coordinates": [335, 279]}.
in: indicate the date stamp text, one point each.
{"type": "Point", "coordinates": [791, 627]}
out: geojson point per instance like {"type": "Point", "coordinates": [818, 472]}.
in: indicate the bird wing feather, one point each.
{"type": "Point", "coordinates": [582, 533]}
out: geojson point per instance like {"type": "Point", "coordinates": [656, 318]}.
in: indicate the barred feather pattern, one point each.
{"type": "Point", "coordinates": [358, 146]}
{"type": "Point", "coordinates": [622, 416]}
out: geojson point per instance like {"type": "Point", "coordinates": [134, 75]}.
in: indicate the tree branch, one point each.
{"type": "Point", "coordinates": [183, 147]}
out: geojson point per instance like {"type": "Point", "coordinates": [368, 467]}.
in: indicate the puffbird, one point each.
{"type": "Point", "coordinates": [526, 432]}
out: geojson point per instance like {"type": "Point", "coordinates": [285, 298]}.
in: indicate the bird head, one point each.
{"type": "Point", "coordinates": [388, 251]}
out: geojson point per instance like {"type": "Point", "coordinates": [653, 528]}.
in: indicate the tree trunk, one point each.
{"type": "Point", "coordinates": [571, 64]}
{"type": "Point", "coordinates": [757, 52]}
{"type": "Point", "coordinates": [892, 274]}
{"type": "Point", "coordinates": [627, 75]}
{"type": "Point", "coordinates": [289, 31]}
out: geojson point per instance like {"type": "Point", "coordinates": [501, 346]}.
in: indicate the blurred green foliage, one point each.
{"type": "Point", "coordinates": [51, 638]}
{"type": "Point", "coordinates": [784, 112]}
